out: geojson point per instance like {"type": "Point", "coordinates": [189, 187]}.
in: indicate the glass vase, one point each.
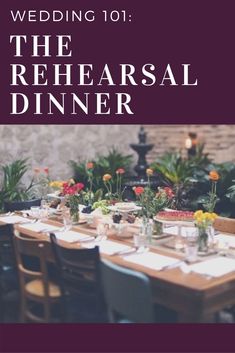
{"type": "Point", "coordinates": [147, 228]}
{"type": "Point", "coordinates": [203, 237]}
{"type": "Point", "coordinates": [74, 212]}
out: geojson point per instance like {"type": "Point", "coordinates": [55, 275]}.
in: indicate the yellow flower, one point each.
{"type": "Point", "coordinates": [199, 219]}
{"type": "Point", "coordinates": [198, 213]}
{"type": "Point", "coordinates": [57, 184]}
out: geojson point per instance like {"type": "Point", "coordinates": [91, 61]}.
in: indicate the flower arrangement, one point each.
{"type": "Point", "coordinates": [212, 198]}
{"type": "Point", "coordinates": [152, 202]}
{"type": "Point", "coordinates": [203, 221]}
{"type": "Point", "coordinates": [71, 191]}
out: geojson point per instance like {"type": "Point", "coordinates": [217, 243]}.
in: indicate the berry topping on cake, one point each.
{"type": "Point", "coordinates": [176, 216]}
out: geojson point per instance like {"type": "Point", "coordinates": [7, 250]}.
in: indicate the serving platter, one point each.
{"type": "Point", "coordinates": [126, 210]}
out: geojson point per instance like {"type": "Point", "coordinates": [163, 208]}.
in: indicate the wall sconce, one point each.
{"type": "Point", "coordinates": [191, 144]}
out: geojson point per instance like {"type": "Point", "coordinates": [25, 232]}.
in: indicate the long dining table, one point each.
{"type": "Point", "coordinates": [195, 297]}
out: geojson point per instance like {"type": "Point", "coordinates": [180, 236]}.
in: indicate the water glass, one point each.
{"type": "Point", "coordinates": [140, 240]}
{"type": "Point", "coordinates": [102, 230]}
{"type": "Point", "coordinates": [35, 211]}
{"type": "Point", "coordinates": [44, 210]}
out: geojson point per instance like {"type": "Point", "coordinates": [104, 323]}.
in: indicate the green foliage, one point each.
{"type": "Point", "coordinates": [102, 165]}
{"type": "Point", "coordinates": [12, 189]}
{"type": "Point", "coordinates": [231, 193]}
{"type": "Point", "coordinates": [190, 182]}
{"type": "Point", "coordinates": [178, 173]}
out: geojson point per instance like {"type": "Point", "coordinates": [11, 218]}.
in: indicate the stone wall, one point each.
{"type": "Point", "coordinates": [53, 146]}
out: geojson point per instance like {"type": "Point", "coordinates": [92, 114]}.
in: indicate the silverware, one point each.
{"type": "Point", "coordinates": [89, 239]}
{"type": "Point", "coordinates": [124, 252]}
{"type": "Point", "coordinates": [136, 251]}
{"type": "Point", "coordinates": [169, 267]}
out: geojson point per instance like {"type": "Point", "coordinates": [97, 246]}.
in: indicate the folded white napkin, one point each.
{"type": "Point", "coordinates": [13, 219]}
{"type": "Point", "coordinates": [40, 227]}
{"type": "Point", "coordinates": [152, 260]}
{"type": "Point", "coordinates": [216, 267]}
{"type": "Point", "coordinates": [108, 247]}
{"type": "Point", "coordinates": [70, 236]}
{"type": "Point", "coordinates": [228, 239]}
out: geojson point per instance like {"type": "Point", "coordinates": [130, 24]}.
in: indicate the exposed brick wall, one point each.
{"type": "Point", "coordinates": [219, 139]}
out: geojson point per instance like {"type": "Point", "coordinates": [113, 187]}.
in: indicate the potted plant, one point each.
{"type": "Point", "coordinates": [13, 194]}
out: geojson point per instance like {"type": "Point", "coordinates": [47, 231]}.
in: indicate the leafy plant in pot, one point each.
{"type": "Point", "coordinates": [13, 194]}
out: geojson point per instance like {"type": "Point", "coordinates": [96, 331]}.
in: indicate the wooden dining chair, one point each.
{"type": "Point", "coordinates": [39, 295]}
{"type": "Point", "coordinates": [79, 274]}
{"type": "Point", "coordinates": [128, 295]}
{"type": "Point", "coordinates": [226, 225]}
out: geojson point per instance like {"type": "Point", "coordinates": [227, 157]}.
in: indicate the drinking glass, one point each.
{"type": "Point", "coordinates": [35, 211]}
{"type": "Point", "coordinates": [44, 210]}
{"type": "Point", "coordinates": [140, 240]}
{"type": "Point", "coordinates": [102, 230]}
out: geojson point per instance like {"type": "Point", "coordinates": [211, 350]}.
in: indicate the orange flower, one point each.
{"type": "Point", "coordinates": [213, 175]}
{"type": "Point", "coordinates": [149, 172]}
{"type": "Point", "coordinates": [106, 177]}
{"type": "Point", "coordinates": [138, 190]}
{"type": "Point", "coordinates": [89, 165]}
{"type": "Point", "coordinates": [120, 171]}
{"type": "Point", "coordinates": [36, 170]}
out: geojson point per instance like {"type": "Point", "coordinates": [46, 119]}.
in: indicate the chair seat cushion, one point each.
{"type": "Point", "coordinates": [36, 288]}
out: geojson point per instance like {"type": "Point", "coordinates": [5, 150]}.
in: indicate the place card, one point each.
{"type": "Point", "coordinates": [216, 267]}
{"type": "Point", "coordinates": [40, 227]}
{"type": "Point", "coordinates": [13, 219]}
{"type": "Point", "coordinates": [152, 260]}
{"type": "Point", "coordinates": [108, 247]}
